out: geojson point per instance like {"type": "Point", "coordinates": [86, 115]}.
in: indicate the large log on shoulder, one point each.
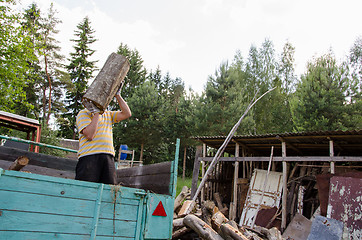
{"type": "Point", "coordinates": [102, 90]}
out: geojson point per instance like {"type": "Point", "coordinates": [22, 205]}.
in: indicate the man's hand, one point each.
{"type": "Point", "coordinates": [120, 88]}
{"type": "Point", "coordinates": [93, 109]}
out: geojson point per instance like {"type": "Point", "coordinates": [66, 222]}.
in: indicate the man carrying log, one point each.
{"type": "Point", "coordinates": [96, 152]}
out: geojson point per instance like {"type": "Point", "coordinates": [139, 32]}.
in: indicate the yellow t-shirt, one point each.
{"type": "Point", "coordinates": [103, 139]}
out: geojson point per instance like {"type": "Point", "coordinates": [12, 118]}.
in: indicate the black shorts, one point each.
{"type": "Point", "coordinates": [99, 168]}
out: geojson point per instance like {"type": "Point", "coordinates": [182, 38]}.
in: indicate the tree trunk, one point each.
{"type": "Point", "coordinates": [181, 197]}
{"type": "Point", "coordinates": [50, 89]}
{"type": "Point", "coordinates": [141, 154]}
{"type": "Point", "coordinates": [201, 228]}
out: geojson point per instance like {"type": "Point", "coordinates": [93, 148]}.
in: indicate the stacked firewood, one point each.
{"type": "Point", "coordinates": [207, 221]}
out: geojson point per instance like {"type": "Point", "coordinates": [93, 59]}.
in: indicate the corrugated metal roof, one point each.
{"type": "Point", "coordinates": [316, 143]}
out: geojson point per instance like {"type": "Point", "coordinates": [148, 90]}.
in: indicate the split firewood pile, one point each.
{"type": "Point", "coordinates": [208, 221]}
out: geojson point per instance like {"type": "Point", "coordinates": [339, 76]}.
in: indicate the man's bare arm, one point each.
{"type": "Point", "coordinates": [90, 131]}
{"type": "Point", "coordinates": [125, 110]}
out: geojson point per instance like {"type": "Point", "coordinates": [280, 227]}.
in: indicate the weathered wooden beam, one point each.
{"type": "Point", "coordinates": [154, 177]}
{"type": "Point", "coordinates": [196, 169]}
{"type": "Point", "coordinates": [290, 145]}
{"type": "Point", "coordinates": [38, 159]}
{"type": "Point", "coordinates": [285, 188]}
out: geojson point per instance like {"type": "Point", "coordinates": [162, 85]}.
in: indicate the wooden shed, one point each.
{"type": "Point", "coordinates": [296, 155]}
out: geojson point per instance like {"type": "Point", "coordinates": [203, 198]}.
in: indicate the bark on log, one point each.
{"type": "Point", "coordinates": [217, 220]}
{"type": "Point", "coordinates": [19, 163]}
{"type": "Point", "coordinates": [108, 81]}
{"type": "Point", "coordinates": [218, 200]}
{"type": "Point", "coordinates": [177, 223]}
{"type": "Point", "coordinates": [186, 208]}
{"type": "Point", "coordinates": [201, 228]}
{"type": "Point", "coordinates": [181, 197]}
{"type": "Point", "coordinates": [180, 232]}
{"type": "Point", "coordinates": [229, 232]}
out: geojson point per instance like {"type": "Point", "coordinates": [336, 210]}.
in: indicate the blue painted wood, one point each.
{"type": "Point", "coordinates": [326, 229]}
{"type": "Point", "coordinates": [96, 212]}
{"type": "Point", "coordinates": [153, 223]}
{"type": "Point", "coordinates": [41, 207]}
{"type": "Point", "coordinates": [62, 209]}
{"type": "Point", "coordinates": [174, 167]}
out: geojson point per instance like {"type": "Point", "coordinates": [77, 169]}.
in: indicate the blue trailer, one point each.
{"type": "Point", "coordinates": [34, 206]}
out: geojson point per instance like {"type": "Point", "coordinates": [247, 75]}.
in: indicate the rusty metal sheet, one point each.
{"type": "Point", "coordinates": [271, 198]}
{"type": "Point", "coordinates": [345, 204]}
{"type": "Point", "coordinates": [326, 229]}
{"type": "Point", "coordinates": [298, 228]}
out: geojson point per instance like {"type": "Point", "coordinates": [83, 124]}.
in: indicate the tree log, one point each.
{"type": "Point", "coordinates": [229, 232]}
{"type": "Point", "coordinates": [218, 200]}
{"type": "Point", "coordinates": [186, 208]}
{"type": "Point", "coordinates": [177, 223]}
{"type": "Point", "coordinates": [181, 197]}
{"type": "Point", "coordinates": [108, 81]}
{"type": "Point", "coordinates": [217, 220]}
{"type": "Point", "coordinates": [180, 232]}
{"type": "Point", "coordinates": [201, 228]}
{"type": "Point", "coordinates": [19, 163]}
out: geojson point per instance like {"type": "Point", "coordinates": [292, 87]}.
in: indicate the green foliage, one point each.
{"type": "Point", "coordinates": [50, 137]}
{"type": "Point", "coordinates": [319, 102]}
{"type": "Point", "coordinates": [182, 182]}
{"type": "Point", "coordinates": [137, 73]}
{"type": "Point", "coordinates": [15, 52]}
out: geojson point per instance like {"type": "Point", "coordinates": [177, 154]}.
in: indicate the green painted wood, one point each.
{"type": "Point", "coordinates": [68, 188]}
{"type": "Point", "coordinates": [10, 235]}
{"type": "Point", "coordinates": [158, 227]}
{"type": "Point", "coordinates": [42, 207]}
{"type": "Point", "coordinates": [66, 206]}
{"type": "Point", "coordinates": [97, 208]}
{"type": "Point", "coordinates": [174, 167]}
{"type": "Point", "coordinates": [36, 222]}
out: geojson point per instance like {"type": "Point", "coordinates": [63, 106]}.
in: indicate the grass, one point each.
{"type": "Point", "coordinates": [182, 182]}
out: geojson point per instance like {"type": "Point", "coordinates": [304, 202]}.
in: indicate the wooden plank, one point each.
{"type": "Point", "coordinates": [40, 222]}
{"type": "Point", "coordinates": [10, 235]}
{"type": "Point", "coordinates": [286, 159]}
{"type": "Point", "coordinates": [157, 168]}
{"type": "Point", "coordinates": [66, 206]}
{"type": "Point", "coordinates": [38, 159]}
{"type": "Point", "coordinates": [41, 170]}
{"type": "Point", "coordinates": [155, 177]}
{"type": "Point", "coordinates": [45, 185]}
{"type": "Point", "coordinates": [196, 170]}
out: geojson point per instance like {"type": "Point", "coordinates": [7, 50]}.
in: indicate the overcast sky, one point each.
{"type": "Point", "coordinates": [190, 39]}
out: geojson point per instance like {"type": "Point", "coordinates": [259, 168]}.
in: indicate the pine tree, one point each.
{"type": "Point", "coordinates": [137, 73]}
{"type": "Point", "coordinates": [80, 71]}
{"type": "Point", "coordinates": [319, 103]}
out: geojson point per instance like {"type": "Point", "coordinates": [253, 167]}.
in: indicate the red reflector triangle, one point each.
{"type": "Point", "coordinates": [160, 210]}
